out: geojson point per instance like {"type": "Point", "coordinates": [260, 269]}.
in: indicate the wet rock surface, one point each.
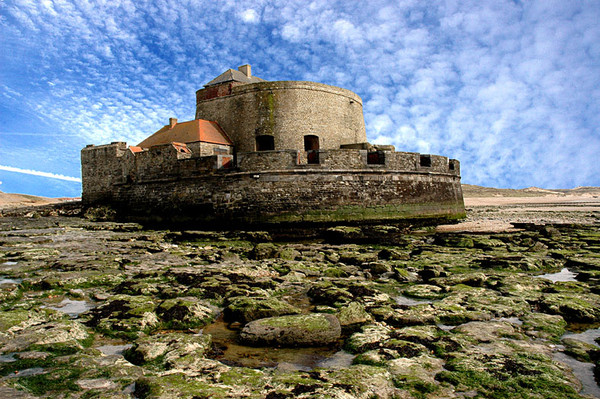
{"type": "Point", "coordinates": [107, 309]}
{"type": "Point", "coordinates": [315, 329]}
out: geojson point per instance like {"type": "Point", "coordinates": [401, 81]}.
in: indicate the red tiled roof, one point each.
{"type": "Point", "coordinates": [135, 149]}
{"type": "Point", "coordinates": [188, 132]}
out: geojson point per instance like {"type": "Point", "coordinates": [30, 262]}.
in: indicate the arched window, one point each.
{"type": "Point", "coordinates": [265, 143]}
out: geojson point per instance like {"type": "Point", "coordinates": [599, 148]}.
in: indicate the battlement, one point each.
{"type": "Point", "coordinates": [126, 164]}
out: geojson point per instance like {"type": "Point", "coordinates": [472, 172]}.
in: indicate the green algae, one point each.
{"type": "Point", "coordinates": [468, 289]}
{"type": "Point", "coordinates": [311, 322]}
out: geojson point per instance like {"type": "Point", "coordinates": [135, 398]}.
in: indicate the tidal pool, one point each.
{"type": "Point", "coordinates": [231, 352]}
{"type": "Point", "coordinates": [28, 372]}
{"type": "Point", "coordinates": [589, 336]}
{"type": "Point", "coordinates": [406, 301]}
{"type": "Point", "coordinates": [9, 263]}
{"type": "Point", "coordinates": [8, 358]}
{"type": "Point", "coordinates": [110, 350]}
{"type": "Point", "coordinates": [4, 280]}
{"type": "Point", "coordinates": [583, 371]}
{"type": "Point", "coordinates": [72, 308]}
{"type": "Point", "coordinates": [564, 275]}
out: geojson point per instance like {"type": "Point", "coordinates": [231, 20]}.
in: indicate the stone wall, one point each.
{"type": "Point", "coordinates": [287, 110]}
{"type": "Point", "coordinates": [277, 196]}
{"type": "Point", "coordinates": [270, 186]}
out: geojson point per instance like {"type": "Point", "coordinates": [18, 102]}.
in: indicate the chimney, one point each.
{"type": "Point", "coordinates": [172, 122]}
{"type": "Point", "coordinates": [245, 69]}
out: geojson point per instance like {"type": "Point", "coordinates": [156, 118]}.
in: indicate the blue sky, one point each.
{"type": "Point", "coordinates": [510, 88]}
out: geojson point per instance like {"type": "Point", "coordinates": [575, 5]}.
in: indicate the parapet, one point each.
{"type": "Point", "coordinates": [335, 160]}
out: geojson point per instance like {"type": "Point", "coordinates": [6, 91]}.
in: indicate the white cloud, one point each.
{"type": "Point", "coordinates": [250, 16]}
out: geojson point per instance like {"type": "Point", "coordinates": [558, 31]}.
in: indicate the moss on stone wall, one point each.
{"type": "Point", "coordinates": [355, 213]}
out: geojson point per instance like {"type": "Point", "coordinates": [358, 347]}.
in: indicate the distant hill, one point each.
{"type": "Point", "coordinates": [472, 191]}
{"type": "Point", "coordinates": [19, 200]}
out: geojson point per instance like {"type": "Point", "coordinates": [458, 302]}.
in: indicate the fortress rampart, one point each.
{"type": "Point", "coordinates": [287, 111]}
{"type": "Point", "coordinates": [271, 186]}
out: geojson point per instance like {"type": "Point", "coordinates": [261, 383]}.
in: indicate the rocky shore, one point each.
{"type": "Point", "coordinates": [505, 304]}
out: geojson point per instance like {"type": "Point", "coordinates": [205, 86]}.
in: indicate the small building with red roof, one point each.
{"type": "Point", "coordinates": [203, 138]}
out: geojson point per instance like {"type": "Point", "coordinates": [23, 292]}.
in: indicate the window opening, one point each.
{"type": "Point", "coordinates": [376, 158]}
{"type": "Point", "coordinates": [265, 143]}
{"type": "Point", "coordinates": [426, 160]}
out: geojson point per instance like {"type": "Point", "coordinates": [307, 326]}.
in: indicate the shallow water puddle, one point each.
{"type": "Point", "coordinates": [564, 275]}
{"type": "Point", "coordinates": [583, 371]}
{"type": "Point", "coordinates": [71, 307]}
{"type": "Point", "coordinates": [588, 336]}
{"type": "Point", "coordinates": [28, 372]}
{"type": "Point", "coordinates": [9, 263]}
{"type": "Point", "coordinates": [4, 280]}
{"type": "Point", "coordinates": [406, 301]}
{"type": "Point", "coordinates": [8, 358]}
{"type": "Point", "coordinates": [110, 350]}
{"type": "Point", "coordinates": [446, 327]}
{"type": "Point", "coordinates": [302, 359]}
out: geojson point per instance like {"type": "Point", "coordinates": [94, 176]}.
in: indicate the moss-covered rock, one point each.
{"type": "Point", "coordinates": [353, 315]}
{"type": "Point", "coordinates": [580, 350]}
{"type": "Point", "coordinates": [170, 351]}
{"type": "Point", "coordinates": [487, 331]}
{"type": "Point", "coordinates": [501, 371]}
{"type": "Point", "coordinates": [416, 374]}
{"type": "Point", "coordinates": [327, 293]}
{"type": "Point", "coordinates": [288, 253]}
{"type": "Point", "coordinates": [263, 251]}
{"type": "Point", "coordinates": [370, 337]}
{"type": "Point", "coordinates": [315, 329]}
{"type": "Point", "coordinates": [412, 315]}
{"type": "Point", "coordinates": [572, 307]}
{"type": "Point", "coordinates": [424, 291]}
{"type": "Point", "coordinates": [61, 335]}
{"type": "Point", "coordinates": [247, 309]}
{"type": "Point", "coordinates": [123, 315]}
{"type": "Point", "coordinates": [545, 326]}
{"type": "Point", "coordinates": [364, 381]}
{"type": "Point", "coordinates": [185, 312]}
{"type": "Point", "coordinates": [425, 335]}
{"type": "Point", "coordinates": [405, 348]}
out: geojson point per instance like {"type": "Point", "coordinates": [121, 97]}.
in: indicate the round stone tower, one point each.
{"type": "Point", "coordinates": [282, 115]}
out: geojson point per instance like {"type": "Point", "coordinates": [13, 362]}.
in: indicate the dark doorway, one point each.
{"type": "Point", "coordinates": [311, 142]}
{"type": "Point", "coordinates": [265, 143]}
{"type": "Point", "coordinates": [311, 146]}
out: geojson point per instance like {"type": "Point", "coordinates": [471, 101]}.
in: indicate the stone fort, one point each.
{"type": "Point", "coordinates": [261, 152]}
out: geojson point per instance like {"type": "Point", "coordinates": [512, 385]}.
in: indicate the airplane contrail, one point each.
{"type": "Point", "coordinates": [38, 173]}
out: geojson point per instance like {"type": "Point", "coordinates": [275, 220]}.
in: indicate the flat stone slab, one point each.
{"type": "Point", "coordinates": [316, 329]}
